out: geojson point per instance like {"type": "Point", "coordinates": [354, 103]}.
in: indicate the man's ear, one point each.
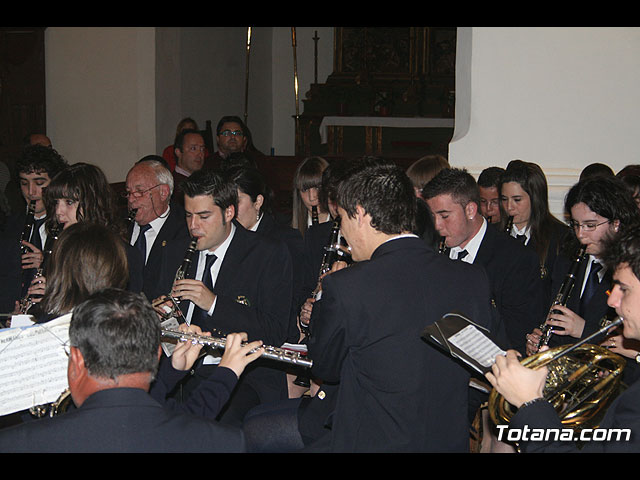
{"type": "Point", "coordinates": [77, 368]}
{"type": "Point", "coordinates": [471, 210]}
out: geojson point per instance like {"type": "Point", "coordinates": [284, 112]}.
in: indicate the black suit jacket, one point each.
{"type": "Point", "coordinates": [174, 229]}
{"type": "Point", "coordinates": [254, 292]}
{"type": "Point", "coordinates": [121, 420]}
{"type": "Point", "coordinates": [293, 240]}
{"type": "Point", "coordinates": [593, 311]}
{"type": "Point", "coordinates": [556, 239]}
{"type": "Point", "coordinates": [516, 286]}
{"type": "Point", "coordinates": [396, 392]}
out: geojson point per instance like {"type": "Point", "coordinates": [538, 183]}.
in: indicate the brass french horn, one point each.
{"type": "Point", "coordinates": [582, 382]}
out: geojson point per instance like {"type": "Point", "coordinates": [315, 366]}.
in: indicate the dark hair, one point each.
{"type": "Point", "coordinates": [541, 221]}
{"type": "Point", "coordinates": [424, 169]}
{"type": "Point", "coordinates": [154, 158]}
{"type": "Point", "coordinates": [86, 257]}
{"type": "Point", "coordinates": [623, 248]}
{"type": "Point", "coordinates": [490, 177]}
{"type": "Point", "coordinates": [609, 197]}
{"type": "Point", "coordinates": [595, 169]}
{"type": "Point", "coordinates": [633, 169]}
{"type": "Point", "coordinates": [231, 119]}
{"type": "Point", "coordinates": [633, 182]}
{"type": "Point", "coordinates": [331, 178]}
{"type": "Point", "coordinates": [385, 192]}
{"type": "Point", "coordinates": [456, 182]}
{"type": "Point", "coordinates": [237, 159]}
{"type": "Point", "coordinates": [179, 141]}
{"type": "Point", "coordinates": [88, 185]}
{"type": "Point", "coordinates": [117, 332]}
{"type": "Point", "coordinates": [251, 182]}
{"type": "Point", "coordinates": [38, 159]}
{"type": "Point", "coordinates": [210, 182]}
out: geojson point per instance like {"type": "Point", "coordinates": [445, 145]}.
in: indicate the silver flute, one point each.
{"type": "Point", "coordinates": [272, 353]}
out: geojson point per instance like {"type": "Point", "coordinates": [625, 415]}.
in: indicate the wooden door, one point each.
{"type": "Point", "coordinates": [22, 93]}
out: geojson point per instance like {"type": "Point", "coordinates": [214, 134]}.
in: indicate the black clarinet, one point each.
{"type": "Point", "coordinates": [27, 302]}
{"type": "Point", "coordinates": [314, 215]}
{"type": "Point", "coordinates": [329, 256]}
{"type": "Point", "coordinates": [29, 223]}
{"type": "Point", "coordinates": [509, 225]}
{"type": "Point", "coordinates": [563, 294]}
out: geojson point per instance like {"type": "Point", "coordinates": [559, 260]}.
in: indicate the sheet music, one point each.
{"type": "Point", "coordinates": [476, 345]}
{"type": "Point", "coordinates": [33, 364]}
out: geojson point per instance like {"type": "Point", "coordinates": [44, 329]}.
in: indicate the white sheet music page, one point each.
{"type": "Point", "coordinates": [33, 364]}
{"type": "Point", "coordinates": [476, 345]}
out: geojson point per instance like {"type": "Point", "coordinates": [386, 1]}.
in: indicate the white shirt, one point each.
{"type": "Point", "coordinates": [472, 246]}
{"type": "Point", "coordinates": [151, 234]}
{"type": "Point", "coordinates": [219, 252]}
{"type": "Point", "coordinates": [526, 231]}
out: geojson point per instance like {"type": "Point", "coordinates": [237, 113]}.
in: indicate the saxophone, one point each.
{"type": "Point", "coordinates": [563, 294]}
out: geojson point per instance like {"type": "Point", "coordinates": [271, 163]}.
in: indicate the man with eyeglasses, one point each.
{"type": "Point", "coordinates": [158, 220]}
{"type": "Point", "coordinates": [600, 208]}
{"type": "Point", "coordinates": [234, 140]}
{"type": "Point", "coordinates": [489, 194]}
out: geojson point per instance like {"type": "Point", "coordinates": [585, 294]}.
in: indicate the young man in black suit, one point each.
{"type": "Point", "coordinates": [513, 271]}
{"type": "Point", "coordinates": [158, 221]}
{"type": "Point", "coordinates": [247, 287]}
{"type": "Point", "coordinates": [395, 392]}
{"type": "Point", "coordinates": [35, 168]}
{"type": "Point", "coordinates": [522, 386]}
{"type": "Point", "coordinates": [113, 357]}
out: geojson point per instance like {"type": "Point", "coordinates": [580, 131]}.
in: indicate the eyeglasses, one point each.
{"type": "Point", "coordinates": [587, 227]}
{"type": "Point", "coordinates": [138, 193]}
{"type": "Point", "coordinates": [235, 133]}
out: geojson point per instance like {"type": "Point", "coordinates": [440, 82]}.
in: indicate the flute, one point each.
{"type": "Point", "coordinates": [272, 353]}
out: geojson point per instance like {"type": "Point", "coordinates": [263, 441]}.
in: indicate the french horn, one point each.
{"type": "Point", "coordinates": [582, 382]}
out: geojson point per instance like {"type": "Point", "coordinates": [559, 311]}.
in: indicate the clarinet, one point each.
{"type": "Point", "coordinates": [273, 353]}
{"type": "Point", "coordinates": [27, 302]}
{"type": "Point", "coordinates": [314, 215]}
{"type": "Point", "coordinates": [509, 225]}
{"type": "Point", "coordinates": [174, 310]}
{"type": "Point", "coordinates": [131, 215]}
{"type": "Point", "coordinates": [563, 294]}
{"type": "Point", "coordinates": [329, 256]}
{"type": "Point", "coordinates": [29, 223]}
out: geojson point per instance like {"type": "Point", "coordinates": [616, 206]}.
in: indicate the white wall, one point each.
{"type": "Point", "coordinates": [100, 88]}
{"type": "Point", "coordinates": [559, 97]}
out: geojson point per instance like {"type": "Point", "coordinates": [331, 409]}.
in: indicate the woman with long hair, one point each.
{"type": "Point", "coordinates": [82, 194]}
{"type": "Point", "coordinates": [524, 196]}
{"type": "Point", "coordinates": [307, 182]}
{"type": "Point", "coordinates": [85, 258]}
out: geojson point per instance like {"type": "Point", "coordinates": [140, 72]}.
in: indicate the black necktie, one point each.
{"type": "Point", "coordinates": [141, 242]}
{"type": "Point", "coordinates": [206, 276]}
{"type": "Point", "coordinates": [462, 254]}
{"type": "Point", "coordinates": [522, 238]}
{"type": "Point", "coordinates": [199, 315]}
{"type": "Point", "coordinates": [593, 281]}
{"type": "Point", "coordinates": [36, 239]}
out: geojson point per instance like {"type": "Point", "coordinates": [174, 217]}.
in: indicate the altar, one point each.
{"type": "Point", "coordinates": [332, 131]}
